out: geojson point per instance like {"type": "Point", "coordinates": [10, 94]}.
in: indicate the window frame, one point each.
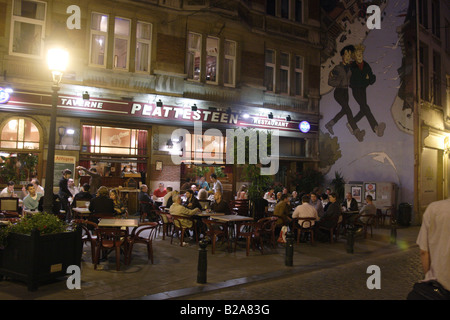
{"type": "Point", "coordinates": [299, 70]}
{"type": "Point", "coordinates": [286, 68]}
{"type": "Point", "coordinates": [101, 33]}
{"type": "Point", "coordinates": [271, 65]}
{"type": "Point", "coordinates": [121, 37]}
{"type": "Point", "coordinates": [144, 41]}
{"type": "Point", "coordinates": [216, 55]}
{"type": "Point", "coordinates": [21, 19]}
{"type": "Point", "coordinates": [194, 50]}
{"type": "Point", "coordinates": [232, 58]}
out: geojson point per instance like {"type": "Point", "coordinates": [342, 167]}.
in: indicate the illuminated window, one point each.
{"type": "Point", "coordinates": [143, 46]}
{"type": "Point", "coordinates": [194, 56]}
{"type": "Point", "coordinates": [207, 147]}
{"type": "Point", "coordinates": [121, 43]}
{"type": "Point", "coordinates": [99, 38]}
{"type": "Point", "coordinates": [20, 133]}
{"type": "Point", "coordinates": [212, 54]}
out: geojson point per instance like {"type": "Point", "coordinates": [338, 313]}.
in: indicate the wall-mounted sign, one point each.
{"type": "Point", "coordinates": [4, 95]}
{"type": "Point", "coordinates": [304, 126]}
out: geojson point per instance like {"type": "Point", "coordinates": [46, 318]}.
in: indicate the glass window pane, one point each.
{"type": "Point", "coordinates": [284, 57]}
{"type": "Point", "coordinates": [27, 38]}
{"type": "Point", "coordinates": [298, 83]}
{"type": "Point", "coordinates": [120, 53]}
{"type": "Point", "coordinates": [99, 22]}
{"type": "Point", "coordinates": [122, 27]}
{"type": "Point", "coordinates": [31, 132]}
{"type": "Point", "coordinates": [195, 41]}
{"type": "Point", "coordinates": [211, 64]}
{"type": "Point", "coordinates": [299, 62]}
{"type": "Point", "coordinates": [228, 72]}
{"type": "Point", "coordinates": [284, 81]}
{"type": "Point", "coordinates": [270, 56]}
{"type": "Point", "coordinates": [98, 49]}
{"type": "Point", "coordinates": [144, 31]}
{"type": "Point", "coordinates": [29, 9]}
{"type": "Point", "coordinates": [268, 78]}
{"type": "Point", "coordinates": [230, 48]}
{"type": "Point", "coordinates": [142, 54]}
{"type": "Point", "coordinates": [212, 46]}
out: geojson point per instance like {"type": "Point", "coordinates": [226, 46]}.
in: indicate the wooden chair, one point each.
{"type": "Point", "coordinates": [241, 207]}
{"type": "Point", "coordinates": [9, 206]}
{"type": "Point", "coordinates": [368, 224]}
{"type": "Point", "coordinates": [166, 222]}
{"type": "Point", "coordinates": [305, 227]}
{"type": "Point", "coordinates": [180, 229]}
{"type": "Point", "coordinates": [216, 230]}
{"type": "Point", "coordinates": [389, 213]}
{"type": "Point", "coordinates": [246, 230]}
{"type": "Point", "coordinates": [146, 210]}
{"type": "Point", "coordinates": [333, 231]}
{"type": "Point", "coordinates": [87, 236]}
{"type": "Point", "coordinates": [136, 237]}
{"type": "Point", "coordinates": [266, 230]}
{"type": "Point", "coordinates": [109, 239]}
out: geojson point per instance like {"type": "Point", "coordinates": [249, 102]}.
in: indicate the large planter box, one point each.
{"type": "Point", "coordinates": [35, 259]}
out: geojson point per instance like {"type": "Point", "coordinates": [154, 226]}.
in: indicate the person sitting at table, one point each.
{"type": "Point", "coordinates": [191, 201]}
{"type": "Point", "coordinates": [330, 217]}
{"type": "Point", "coordinates": [102, 203]}
{"type": "Point", "coordinates": [186, 185]}
{"type": "Point", "coordinates": [8, 192]}
{"type": "Point", "coordinates": [270, 195]}
{"type": "Point", "coordinates": [95, 179]}
{"type": "Point", "coordinates": [194, 189]}
{"type": "Point", "coordinates": [146, 204]}
{"type": "Point", "coordinates": [202, 184]}
{"type": "Point", "coordinates": [368, 210]}
{"type": "Point", "coordinates": [119, 208]}
{"type": "Point", "coordinates": [36, 185]}
{"type": "Point", "coordinates": [261, 206]}
{"type": "Point", "coordinates": [167, 196]}
{"type": "Point", "coordinates": [31, 201]}
{"type": "Point", "coordinates": [295, 200]}
{"type": "Point", "coordinates": [160, 192]}
{"type": "Point", "coordinates": [325, 201]}
{"type": "Point", "coordinates": [242, 192]}
{"type": "Point", "coordinates": [177, 209]}
{"type": "Point", "coordinates": [217, 185]}
{"type": "Point", "coordinates": [305, 210]}
{"type": "Point", "coordinates": [316, 203]}
{"type": "Point", "coordinates": [219, 205]}
{"type": "Point", "coordinates": [72, 188]}
{"type": "Point", "coordinates": [202, 195]}
{"type": "Point", "coordinates": [285, 191]}
{"type": "Point", "coordinates": [282, 210]}
{"type": "Point", "coordinates": [279, 194]}
{"type": "Point", "coordinates": [170, 200]}
{"type": "Point", "coordinates": [84, 194]}
{"type": "Point", "coordinates": [350, 203]}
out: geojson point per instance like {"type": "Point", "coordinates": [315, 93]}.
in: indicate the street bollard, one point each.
{"type": "Point", "coordinates": [289, 262]}
{"type": "Point", "coordinates": [393, 232]}
{"type": "Point", "coordinates": [202, 262]}
{"type": "Point", "coordinates": [350, 239]}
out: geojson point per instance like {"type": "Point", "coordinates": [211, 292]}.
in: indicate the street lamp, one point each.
{"type": "Point", "coordinates": [57, 61]}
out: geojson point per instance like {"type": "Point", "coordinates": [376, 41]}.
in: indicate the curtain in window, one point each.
{"type": "Point", "coordinates": [142, 149]}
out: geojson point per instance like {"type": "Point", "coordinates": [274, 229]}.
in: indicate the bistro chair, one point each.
{"type": "Point", "coordinates": [366, 225]}
{"type": "Point", "coordinates": [144, 233]}
{"type": "Point", "coordinates": [180, 228]}
{"type": "Point", "coordinates": [241, 207]}
{"type": "Point", "coordinates": [216, 230]}
{"type": "Point", "coordinates": [306, 228]}
{"type": "Point", "coordinates": [334, 230]}
{"type": "Point", "coordinates": [166, 222]}
{"type": "Point", "coordinates": [109, 239]}
{"type": "Point", "coordinates": [87, 236]}
{"type": "Point", "coordinates": [246, 230]}
{"type": "Point", "coordinates": [9, 206]}
{"type": "Point", "coordinates": [266, 230]}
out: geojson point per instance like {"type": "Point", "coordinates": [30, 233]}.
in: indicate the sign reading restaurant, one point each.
{"type": "Point", "coordinates": [151, 110]}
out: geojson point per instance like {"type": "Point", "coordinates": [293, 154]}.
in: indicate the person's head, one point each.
{"type": "Point", "coordinates": [369, 199]}
{"type": "Point", "coordinates": [169, 189]}
{"type": "Point", "coordinates": [213, 177]}
{"type": "Point", "coordinates": [10, 186]}
{"type": "Point", "coordinates": [332, 197]}
{"type": "Point", "coordinates": [144, 188]}
{"type": "Point", "coordinates": [285, 190]}
{"type": "Point", "coordinates": [284, 197]}
{"type": "Point", "coordinates": [328, 191]}
{"type": "Point", "coordinates": [194, 187]}
{"type": "Point", "coordinates": [279, 194]}
{"type": "Point", "coordinates": [202, 194]}
{"type": "Point", "coordinates": [346, 53]}
{"type": "Point", "coordinates": [202, 179]}
{"type": "Point", "coordinates": [102, 191]}
{"type": "Point", "coordinates": [93, 170]}
{"type": "Point", "coordinates": [31, 190]}
{"type": "Point", "coordinates": [161, 186]}
{"type": "Point", "coordinates": [359, 53]}
{"type": "Point", "coordinates": [176, 198]}
{"type": "Point", "coordinates": [271, 190]}
{"type": "Point", "coordinates": [313, 197]}
{"type": "Point", "coordinates": [189, 193]}
{"type": "Point", "coordinates": [348, 196]}
{"type": "Point", "coordinates": [324, 196]}
{"type": "Point", "coordinates": [70, 183]}
{"type": "Point", "coordinates": [66, 173]}
{"type": "Point", "coordinates": [113, 194]}
{"type": "Point", "coordinates": [86, 187]}
{"type": "Point", "coordinates": [35, 182]}
{"type": "Point", "coordinates": [305, 199]}
{"type": "Point", "coordinates": [218, 196]}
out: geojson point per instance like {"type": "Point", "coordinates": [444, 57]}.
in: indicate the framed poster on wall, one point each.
{"type": "Point", "coordinates": [356, 193]}
{"type": "Point", "coordinates": [370, 189]}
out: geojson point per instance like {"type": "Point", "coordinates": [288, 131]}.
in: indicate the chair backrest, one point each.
{"type": "Point", "coordinates": [9, 204]}
{"type": "Point", "coordinates": [177, 220]}
{"type": "Point", "coordinates": [109, 234]}
{"type": "Point", "coordinates": [151, 227]}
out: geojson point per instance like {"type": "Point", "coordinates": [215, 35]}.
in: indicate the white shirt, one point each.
{"type": "Point", "coordinates": [434, 238]}
{"type": "Point", "coordinates": [305, 210]}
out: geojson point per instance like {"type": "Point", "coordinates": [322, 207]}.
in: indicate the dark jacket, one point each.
{"type": "Point", "coordinates": [221, 207]}
{"type": "Point", "coordinates": [145, 202]}
{"type": "Point", "coordinates": [64, 192]}
{"type": "Point", "coordinates": [361, 77]}
{"type": "Point", "coordinates": [353, 205]}
{"type": "Point", "coordinates": [81, 196]}
{"type": "Point", "coordinates": [331, 216]}
{"type": "Point", "coordinates": [101, 204]}
{"type": "Point", "coordinates": [195, 203]}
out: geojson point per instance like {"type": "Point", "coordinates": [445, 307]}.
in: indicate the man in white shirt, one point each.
{"type": "Point", "coordinates": [167, 196]}
{"type": "Point", "coordinates": [217, 185]}
{"type": "Point", "coordinates": [433, 241]}
{"type": "Point", "coordinates": [8, 192]}
{"type": "Point", "coordinates": [305, 210]}
{"type": "Point", "coordinates": [31, 201]}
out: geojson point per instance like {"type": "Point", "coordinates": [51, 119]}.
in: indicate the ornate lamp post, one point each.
{"type": "Point", "coordinates": [57, 60]}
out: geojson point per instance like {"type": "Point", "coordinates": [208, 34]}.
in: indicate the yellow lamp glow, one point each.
{"type": "Point", "coordinates": [57, 60]}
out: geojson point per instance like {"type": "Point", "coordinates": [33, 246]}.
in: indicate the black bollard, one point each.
{"type": "Point", "coordinates": [202, 262]}
{"type": "Point", "coordinates": [350, 239]}
{"type": "Point", "coordinates": [393, 232]}
{"type": "Point", "coordinates": [289, 262]}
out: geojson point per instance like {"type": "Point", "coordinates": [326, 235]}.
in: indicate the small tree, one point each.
{"type": "Point", "coordinates": [338, 184]}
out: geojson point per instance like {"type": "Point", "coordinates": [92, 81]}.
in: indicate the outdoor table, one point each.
{"type": "Point", "coordinates": [232, 221]}
{"type": "Point", "coordinates": [209, 214]}
{"type": "Point", "coordinates": [118, 223]}
{"type": "Point", "coordinates": [81, 212]}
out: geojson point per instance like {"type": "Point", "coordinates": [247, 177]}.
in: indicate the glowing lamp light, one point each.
{"type": "Point", "coordinates": [304, 126]}
{"type": "Point", "coordinates": [57, 60]}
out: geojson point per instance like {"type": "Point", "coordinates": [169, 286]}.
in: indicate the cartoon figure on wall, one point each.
{"type": "Point", "coordinates": [361, 77]}
{"type": "Point", "coordinates": [356, 74]}
{"type": "Point", "coordinates": [339, 78]}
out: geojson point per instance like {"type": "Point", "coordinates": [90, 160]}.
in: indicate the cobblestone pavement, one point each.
{"type": "Point", "coordinates": [398, 272]}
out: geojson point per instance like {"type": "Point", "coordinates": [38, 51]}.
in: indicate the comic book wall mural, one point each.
{"type": "Point", "coordinates": [367, 124]}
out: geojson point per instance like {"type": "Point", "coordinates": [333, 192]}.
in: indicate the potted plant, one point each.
{"type": "Point", "coordinates": [38, 248]}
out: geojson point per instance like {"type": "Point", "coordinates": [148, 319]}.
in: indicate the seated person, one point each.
{"type": "Point", "coordinates": [194, 189]}
{"type": "Point", "coordinates": [146, 203]}
{"type": "Point", "coordinates": [368, 210]}
{"type": "Point", "coordinates": [331, 217]}
{"type": "Point", "coordinates": [316, 203]}
{"type": "Point", "coordinates": [177, 209]}
{"type": "Point", "coordinates": [220, 205]}
{"type": "Point", "coordinates": [242, 192]}
{"type": "Point", "coordinates": [31, 201]}
{"type": "Point", "coordinates": [160, 192]}
{"type": "Point", "coordinates": [202, 184]}
{"type": "Point", "coordinates": [305, 210]}
{"type": "Point", "coordinates": [170, 199]}
{"type": "Point", "coordinates": [261, 206]}
{"type": "Point", "coordinates": [191, 201]}
{"type": "Point", "coordinates": [102, 203]}
{"type": "Point", "coordinates": [270, 195]}
{"type": "Point", "coordinates": [119, 208]}
{"type": "Point", "coordinates": [185, 186]}
{"type": "Point", "coordinates": [202, 195]}
{"type": "Point", "coordinates": [282, 210]}
{"type": "Point", "coordinates": [8, 192]}
{"type": "Point", "coordinates": [167, 196]}
{"type": "Point", "coordinates": [84, 194]}
{"type": "Point", "coordinates": [295, 200]}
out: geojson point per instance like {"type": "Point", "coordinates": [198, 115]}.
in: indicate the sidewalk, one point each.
{"type": "Point", "coordinates": [174, 272]}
